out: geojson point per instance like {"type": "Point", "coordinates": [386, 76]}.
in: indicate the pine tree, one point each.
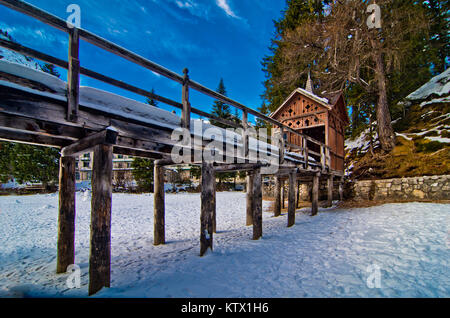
{"type": "Point", "coordinates": [221, 109]}
{"type": "Point", "coordinates": [277, 88]}
{"type": "Point", "coordinates": [143, 171]}
{"type": "Point", "coordinates": [29, 163]}
{"type": "Point", "coordinates": [151, 101]}
{"type": "Point", "coordinates": [50, 69]}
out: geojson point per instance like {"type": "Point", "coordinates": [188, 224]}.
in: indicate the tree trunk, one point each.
{"type": "Point", "coordinates": [385, 131]}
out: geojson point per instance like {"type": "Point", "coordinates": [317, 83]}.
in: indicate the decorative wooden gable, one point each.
{"type": "Point", "coordinates": [301, 111]}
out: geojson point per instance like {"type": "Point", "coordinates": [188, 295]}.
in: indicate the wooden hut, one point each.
{"type": "Point", "coordinates": [322, 118]}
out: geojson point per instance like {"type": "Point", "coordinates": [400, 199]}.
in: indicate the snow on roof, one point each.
{"type": "Point", "coordinates": [438, 85]}
{"type": "Point", "coordinates": [110, 103]}
{"type": "Point", "coordinates": [321, 100]}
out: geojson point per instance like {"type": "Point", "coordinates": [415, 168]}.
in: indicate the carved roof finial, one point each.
{"type": "Point", "coordinates": [309, 83]}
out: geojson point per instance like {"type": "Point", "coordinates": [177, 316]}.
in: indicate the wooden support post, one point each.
{"type": "Point", "coordinates": [329, 191]}
{"type": "Point", "coordinates": [186, 112]}
{"type": "Point", "coordinates": [291, 200]}
{"type": "Point", "coordinates": [298, 194]}
{"type": "Point", "coordinates": [100, 255]}
{"type": "Point", "coordinates": [207, 208]}
{"type": "Point", "coordinates": [159, 206]}
{"type": "Point", "coordinates": [73, 76]}
{"type": "Point", "coordinates": [315, 194]}
{"type": "Point", "coordinates": [66, 217]}
{"type": "Point", "coordinates": [257, 205]}
{"type": "Point", "coordinates": [277, 205]}
{"type": "Point", "coordinates": [341, 189]}
{"type": "Point", "coordinates": [283, 194]}
{"type": "Point", "coordinates": [250, 198]}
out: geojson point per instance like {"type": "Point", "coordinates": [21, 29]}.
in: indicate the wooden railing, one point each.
{"type": "Point", "coordinates": [75, 70]}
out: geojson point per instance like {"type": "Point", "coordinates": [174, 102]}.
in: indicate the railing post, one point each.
{"type": "Point", "coordinates": [305, 151]}
{"type": "Point", "coordinates": [186, 112]}
{"type": "Point", "coordinates": [73, 76]}
{"type": "Point", "coordinates": [323, 158]}
{"type": "Point", "coordinates": [245, 134]}
{"type": "Point", "coordinates": [282, 146]}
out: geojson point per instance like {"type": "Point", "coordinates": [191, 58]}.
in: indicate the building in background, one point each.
{"type": "Point", "coordinates": [122, 170]}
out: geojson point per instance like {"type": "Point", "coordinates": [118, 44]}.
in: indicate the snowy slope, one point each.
{"type": "Point", "coordinates": [437, 86]}
{"type": "Point", "coordinates": [14, 57]}
{"type": "Point", "coordinates": [323, 256]}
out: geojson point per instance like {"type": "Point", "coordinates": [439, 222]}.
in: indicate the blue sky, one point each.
{"type": "Point", "coordinates": [213, 38]}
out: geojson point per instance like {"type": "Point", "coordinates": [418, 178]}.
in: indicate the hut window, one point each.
{"type": "Point", "coordinates": [307, 122]}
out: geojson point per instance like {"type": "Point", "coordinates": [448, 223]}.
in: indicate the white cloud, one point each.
{"type": "Point", "coordinates": [184, 4]}
{"type": "Point", "coordinates": [223, 4]}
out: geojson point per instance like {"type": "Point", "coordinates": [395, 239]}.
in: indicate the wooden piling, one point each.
{"type": "Point", "coordinates": [159, 206]}
{"type": "Point", "coordinates": [66, 217]}
{"type": "Point", "coordinates": [297, 194]}
{"type": "Point", "coordinates": [250, 198]}
{"type": "Point", "coordinates": [277, 205]}
{"type": "Point", "coordinates": [315, 195]}
{"type": "Point", "coordinates": [283, 194]}
{"type": "Point", "coordinates": [329, 191]}
{"type": "Point", "coordinates": [100, 255]}
{"type": "Point", "coordinates": [291, 199]}
{"type": "Point", "coordinates": [257, 205]}
{"type": "Point", "coordinates": [207, 208]}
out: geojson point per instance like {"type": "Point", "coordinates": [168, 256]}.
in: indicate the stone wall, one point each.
{"type": "Point", "coordinates": [405, 189]}
{"type": "Point", "coordinates": [416, 188]}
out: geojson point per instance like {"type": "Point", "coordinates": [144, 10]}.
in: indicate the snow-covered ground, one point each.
{"type": "Point", "coordinates": [328, 255]}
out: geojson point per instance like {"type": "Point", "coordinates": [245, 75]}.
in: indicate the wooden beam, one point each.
{"type": "Point", "coordinates": [250, 198]}
{"type": "Point", "coordinates": [73, 76]}
{"type": "Point", "coordinates": [137, 153]}
{"type": "Point", "coordinates": [330, 185]}
{"type": "Point", "coordinates": [66, 215]}
{"type": "Point", "coordinates": [207, 208]}
{"type": "Point", "coordinates": [315, 195]}
{"type": "Point", "coordinates": [159, 206]}
{"type": "Point", "coordinates": [291, 200]}
{"type": "Point", "coordinates": [237, 167]}
{"type": "Point", "coordinates": [32, 138]}
{"type": "Point", "coordinates": [105, 137]}
{"type": "Point", "coordinates": [277, 190]}
{"type": "Point", "coordinates": [257, 205]}
{"type": "Point", "coordinates": [100, 255]}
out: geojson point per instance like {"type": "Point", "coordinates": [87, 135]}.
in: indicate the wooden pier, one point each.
{"type": "Point", "coordinates": [31, 112]}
